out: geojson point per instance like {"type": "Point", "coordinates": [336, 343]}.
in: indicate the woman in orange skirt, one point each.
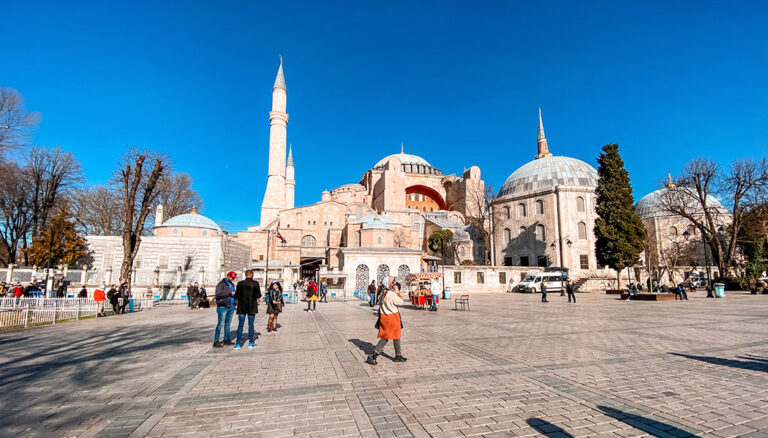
{"type": "Point", "coordinates": [389, 324]}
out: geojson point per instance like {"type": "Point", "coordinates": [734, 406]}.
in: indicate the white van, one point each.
{"type": "Point", "coordinates": [553, 281]}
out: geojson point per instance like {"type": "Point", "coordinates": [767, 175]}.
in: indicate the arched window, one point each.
{"type": "Point", "coordinates": [673, 232]}
{"type": "Point", "coordinates": [582, 231]}
{"type": "Point", "coordinates": [308, 241]}
{"type": "Point", "coordinates": [539, 206]}
{"type": "Point", "coordinates": [402, 273]}
{"type": "Point", "coordinates": [379, 239]}
{"type": "Point", "coordinates": [463, 251]}
{"type": "Point", "coordinates": [522, 232]}
{"type": "Point", "coordinates": [541, 234]}
{"type": "Point", "coordinates": [204, 233]}
{"type": "Point", "coordinates": [580, 205]}
{"type": "Point", "coordinates": [506, 213]}
{"type": "Point", "coordinates": [381, 272]}
{"type": "Point", "coordinates": [175, 231]}
{"type": "Point", "coordinates": [361, 277]}
{"type": "Point", "coordinates": [359, 212]}
{"type": "Point", "coordinates": [507, 236]}
{"type": "Point", "coordinates": [357, 239]}
{"type": "Point", "coordinates": [521, 210]}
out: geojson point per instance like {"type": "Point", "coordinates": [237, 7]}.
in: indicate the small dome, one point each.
{"type": "Point", "coordinates": [549, 172]}
{"type": "Point", "coordinates": [652, 205]}
{"type": "Point", "coordinates": [192, 220]}
{"type": "Point", "coordinates": [410, 164]}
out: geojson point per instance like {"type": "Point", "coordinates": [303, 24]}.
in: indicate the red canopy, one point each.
{"type": "Point", "coordinates": [423, 276]}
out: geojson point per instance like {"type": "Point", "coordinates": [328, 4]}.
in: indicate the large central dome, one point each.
{"type": "Point", "coordinates": [549, 172]}
{"type": "Point", "coordinates": [410, 164]}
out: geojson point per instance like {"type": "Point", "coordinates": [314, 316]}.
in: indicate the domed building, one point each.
{"type": "Point", "coordinates": [546, 213]}
{"type": "Point", "coordinates": [674, 248]}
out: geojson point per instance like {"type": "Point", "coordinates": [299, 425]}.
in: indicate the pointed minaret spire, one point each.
{"type": "Point", "coordinates": [402, 148]}
{"type": "Point", "coordinates": [280, 79]}
{"type": "Point", "coordinates": [290, 155]}
{"type": "Point", "coordinates": [543, 148]}
{"type": "Point", "coordinates": [670, 184]}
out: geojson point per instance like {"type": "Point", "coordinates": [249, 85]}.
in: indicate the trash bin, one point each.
{"type": "Point", "coordinates": [447, 294]}
{"type": "Point", "coordinates": [719, 290]}
{"type": "Point", "coordinates": [130, 305]}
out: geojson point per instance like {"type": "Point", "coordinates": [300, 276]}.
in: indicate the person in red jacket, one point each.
{"type": "Point", "coordinates": [100, 298]}
{"type": "Point", "coordinates": [18, 291]}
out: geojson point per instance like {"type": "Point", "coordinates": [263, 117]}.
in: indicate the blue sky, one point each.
{"type": "Point", "coordinates": [459, 83]}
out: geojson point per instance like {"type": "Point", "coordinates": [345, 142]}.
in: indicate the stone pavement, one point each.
{"type": "Point", "coordinates": [511, 367]}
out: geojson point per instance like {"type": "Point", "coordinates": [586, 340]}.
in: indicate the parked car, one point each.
{"type": "Point", "coordinates": [552, 281]}
{"type": "Point", "coordinates": [696, 282]}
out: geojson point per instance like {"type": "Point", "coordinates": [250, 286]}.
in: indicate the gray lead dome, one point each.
{"type": "Point", "coordinates": [549, 172]}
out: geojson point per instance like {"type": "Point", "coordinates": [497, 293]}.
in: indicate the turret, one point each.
{"type": "Point", "coordinates": [275, 196]}
{"type": "Point", "coordinates": [542, 141]}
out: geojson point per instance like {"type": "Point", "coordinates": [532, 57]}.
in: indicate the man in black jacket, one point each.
{"type": "Point", "coordinates": [225, 308]}
{"type": "Point", "coordinates": [247, 293]}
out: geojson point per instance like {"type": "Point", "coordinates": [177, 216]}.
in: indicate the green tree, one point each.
{"type": "Point", "coordinates": [59, 243]}
{"type": "Point", "coordinates": [619, 230]}
{"type": "Point", "coordinates": [440, 241]}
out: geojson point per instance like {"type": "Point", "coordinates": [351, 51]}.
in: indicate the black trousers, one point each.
{"type": "Point", "coordinates": [311, 304]}
{"type": "Point", "coordinates": [571, 295]}
{"type": "Point", "coordinates": [543, 296]}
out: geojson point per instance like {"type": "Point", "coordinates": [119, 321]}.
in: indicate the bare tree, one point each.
{"type": "Point", "coordinates": [692, 196]}
{"type": "Point", "coordinates": [138, 185]}
{"type": "Point", "coordinates": [176, 195]}
{"type": "Point", "coordinates": [401, 239]}
{"type": "Point", "coordinates": [15, 210]}
{"type": "Point", "coordinates": [97, 211]}
{"type": "Point", "coordinates": [16, 124]}
{"type": "Point", "coordinates": [51, 173]}
{"type": "Point", "coordinates": [481, 216]}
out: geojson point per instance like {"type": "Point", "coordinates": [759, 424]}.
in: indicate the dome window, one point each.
{"type": "Point", "coordinates": [580, 205]}
{"type": "Point", "coordinates": [522, 211]}
{"type": "Point", "coordinates": [539, 206]}
{"type": "Point", "coordinates": [582, 231]}
{"type": "Point", "coordinates": [541, 234]}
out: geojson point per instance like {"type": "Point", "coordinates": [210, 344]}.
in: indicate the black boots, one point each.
{"type": "Point", "coordinates": [400, 359]}
{"type": "Point", "coordinates": [371, 359]}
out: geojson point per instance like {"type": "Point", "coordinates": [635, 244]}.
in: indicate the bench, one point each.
{"type": "Point", "coordinates": [463, 302]}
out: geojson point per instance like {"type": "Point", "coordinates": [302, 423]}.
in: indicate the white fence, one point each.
{"type": "Point", "coordinates": [25, 312]}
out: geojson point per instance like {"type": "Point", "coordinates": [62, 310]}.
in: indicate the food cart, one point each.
{"type": "Point", "coordinates": [418, 289]}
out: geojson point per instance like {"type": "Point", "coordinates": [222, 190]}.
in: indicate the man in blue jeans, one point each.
{"type": "Point", "coordinates": [225, 308]}
{"type": "Point", "coordinates": [247, 293]}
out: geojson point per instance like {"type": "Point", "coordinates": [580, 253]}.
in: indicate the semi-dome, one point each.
{"type": "Point", "coordinates": [410, 164]}
{"type": "Point", "coordinates": [192, 220]}
{"type": "Point", "coordinates": [549, 172]}
{"type": "Point", "coordinates": [652, 204]}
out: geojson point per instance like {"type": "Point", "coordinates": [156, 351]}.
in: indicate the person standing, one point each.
{"type": "Point", "coordinates": [247, 294]}
{"type": "Point", "coordinates": [323, 292]}
{"type": "Point", "coordinates": [274, 305]}
{"type": "Point", "coordinates": [225, 308]}
{"type": "Point", "coordinates": [544, 293]}
{"type": "Point", "coordinates": [100, 298]}
{"type": "Point", "coordinates": [83, 293]}
{"type": "Point", "coordinates": [569, 287]}
{"type": "Point", "coordinates": [436, 289]}
{"type": "Point", "coordinates": [311, 296]}
{"type": "Point", "coordinates": [189, 296]}
{"type": "Point", "coordinates": [389, 324]}
{"type": "Point", "coordinates": [195, 294]}
{"type": "Point", "coordinates": [372, 292]}
{"type": "Point", "coordinates": [18, 291]}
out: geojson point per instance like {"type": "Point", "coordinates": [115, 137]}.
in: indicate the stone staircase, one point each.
{"type": "Point", "coordinates": [579, 283]}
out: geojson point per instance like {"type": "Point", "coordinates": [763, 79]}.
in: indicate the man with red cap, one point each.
{"type": "Point", "coordinates": [225, 308]}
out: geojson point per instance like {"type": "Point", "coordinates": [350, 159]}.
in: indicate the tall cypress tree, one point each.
{"type": "Point", "coordinates": [619, 230]}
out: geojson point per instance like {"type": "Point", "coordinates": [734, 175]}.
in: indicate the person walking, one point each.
{"type": "Point", "coordinates": [225, 308]}
{"type": "Point", "coordinates": [569, 287]}
{"type": "Point", "coordinates": [544, 293]}
{"type": "Point", "coordinates": [323, 292]}
{"type": "Point", "coordinates": [389, 324]}
{"type": "Point", "coordinates": [372, 292]}
{"type": "Point", "coordinates": [112, 296]}
{"type": "Point", "coordinates": [100, 298]}
{"type": "Point", "coordinates": [125, 296]}
{"type": "Point", "coordinates": [311, 296]}
{"type": "Point", "coordinates": [436, 289]}
{"type": "Point", "coordinates": [247, 294]}
{"type": "Point", "coordinates": [274, 305]}
{"type": "Point", "coordinates": [194, 294]}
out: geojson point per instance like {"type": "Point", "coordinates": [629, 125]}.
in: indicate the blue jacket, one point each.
{"type": "Point", "coordinates": [224, 294]}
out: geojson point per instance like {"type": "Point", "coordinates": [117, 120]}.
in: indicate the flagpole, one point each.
{"type": "Point", "coordinates": [266, 270]}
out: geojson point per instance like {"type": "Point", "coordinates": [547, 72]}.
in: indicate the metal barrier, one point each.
{"type": "Point", "coordinates": [24, 312]}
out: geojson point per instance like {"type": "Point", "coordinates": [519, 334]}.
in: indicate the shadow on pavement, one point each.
{"type": "Point", "coordinates": [367, 348]}
{"type": "Point", "coordinates": [548, 429]}
{"type": "Point", "coordinates": [754, 364]}
{"type": "Point", "coordinates": [647, 425]}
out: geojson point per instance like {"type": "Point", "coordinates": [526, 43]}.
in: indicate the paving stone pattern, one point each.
{"type": "Point", "coordinates": [513, 366]}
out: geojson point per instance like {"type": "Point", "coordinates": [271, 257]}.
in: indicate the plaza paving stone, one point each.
{"type": "Point", "coordinates": [511, 367]}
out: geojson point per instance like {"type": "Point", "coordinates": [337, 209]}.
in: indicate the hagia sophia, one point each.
{"type": "Point", "coordinates": [543, 216]}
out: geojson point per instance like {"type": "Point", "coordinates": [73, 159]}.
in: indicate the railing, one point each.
{"type": "Point", "coordinates": [25, 312]}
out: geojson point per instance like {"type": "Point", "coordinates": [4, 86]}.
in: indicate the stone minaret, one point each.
{"type": "Point", "coordinates": [543, 148]}
{"type": "Point", "coordinates": [274, 197]}
{"type": "Point", "coordinates": [290, 183]}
